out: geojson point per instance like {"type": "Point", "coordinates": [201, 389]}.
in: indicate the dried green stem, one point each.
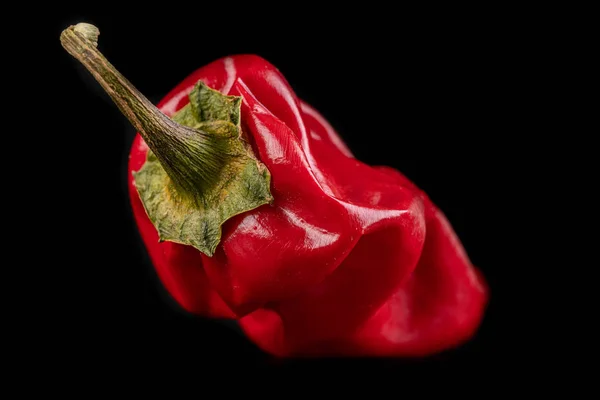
{"type": "Point", "coordinates": [199, 172]}
{"type": "Point", "coordinates": [187, 155]}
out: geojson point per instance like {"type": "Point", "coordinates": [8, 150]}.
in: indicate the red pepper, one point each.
{"type": "Point", "coordinates": [347, 258]}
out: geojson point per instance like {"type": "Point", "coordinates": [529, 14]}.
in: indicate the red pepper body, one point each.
{"type": "Point", "coordinates": [349, 259]}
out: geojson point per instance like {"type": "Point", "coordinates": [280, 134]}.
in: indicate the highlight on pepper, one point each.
{"type": "Point", "coordinates": [252, 208]}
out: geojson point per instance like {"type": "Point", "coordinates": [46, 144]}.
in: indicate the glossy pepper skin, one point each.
{"type": "Point", "coordinates": [349, 259]}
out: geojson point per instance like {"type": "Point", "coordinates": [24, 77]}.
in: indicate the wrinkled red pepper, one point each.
{"type": "Point", "coordinates": [349, 259]}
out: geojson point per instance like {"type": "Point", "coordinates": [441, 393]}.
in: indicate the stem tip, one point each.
{"type": "Point", "coordinates": [88, 31]}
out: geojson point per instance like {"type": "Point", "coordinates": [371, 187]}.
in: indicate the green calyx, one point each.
{"type": "Point", "coordinates": [221, 177]}
{"type": "Point", "coordinates": [199, 171]}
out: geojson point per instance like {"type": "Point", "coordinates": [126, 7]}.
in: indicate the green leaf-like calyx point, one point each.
{"type": "Point", "coordinates": [199, 172]}
{"type": "Point", "coordinates": [223, 177]}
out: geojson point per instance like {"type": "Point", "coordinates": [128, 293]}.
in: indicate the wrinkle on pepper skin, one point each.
{"type": "Point", "coordinates": [328, 129]}
{"type": "Point", "coordinates": [315, 237]}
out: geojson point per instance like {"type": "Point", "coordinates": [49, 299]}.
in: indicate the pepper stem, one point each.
{"type": "Point", "coordinates": [173, 144]}
{"type": "Point", "coordinates": [199, 172]}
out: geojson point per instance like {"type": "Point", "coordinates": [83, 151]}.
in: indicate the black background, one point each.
{"type": "Point", "coordinates": [446, 92]}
